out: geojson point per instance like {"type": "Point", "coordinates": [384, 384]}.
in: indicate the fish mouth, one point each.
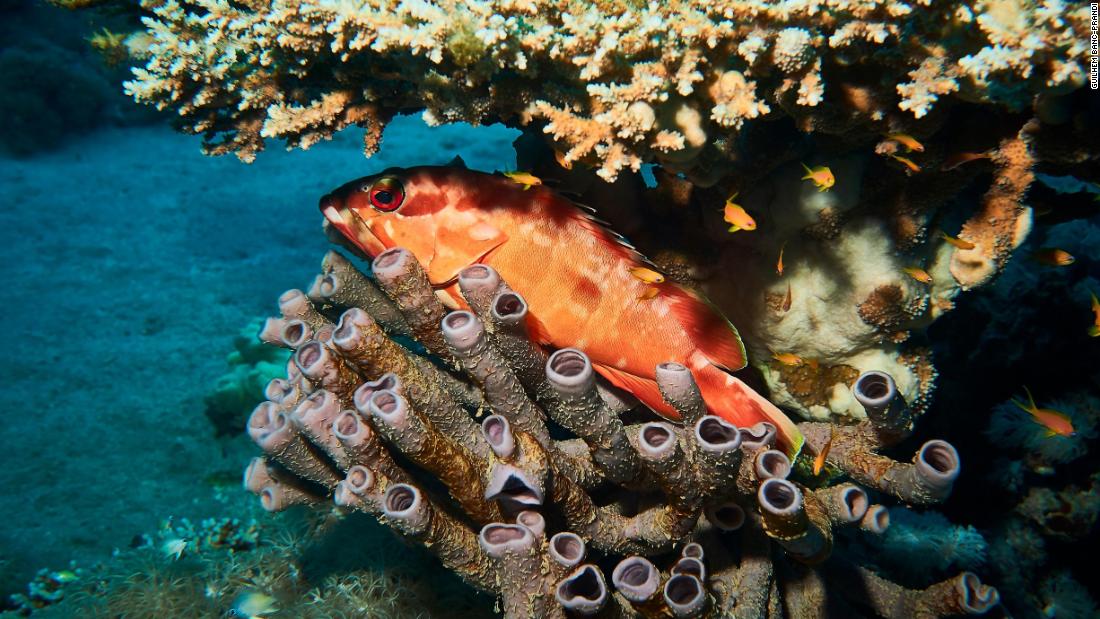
{"type": "Point", "coordinates": [352, 227]}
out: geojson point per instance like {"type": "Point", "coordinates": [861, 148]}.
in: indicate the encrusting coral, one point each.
{"type": "Point", "coordinates": [699, 519]}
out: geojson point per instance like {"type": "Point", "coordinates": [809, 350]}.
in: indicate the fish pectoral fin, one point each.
{"type": "Point", "coordinates": [537, 331]}
{"type": "Point", "coordinates": [457, 247]}
{"type": "Point", "coordinates": [645, 389]}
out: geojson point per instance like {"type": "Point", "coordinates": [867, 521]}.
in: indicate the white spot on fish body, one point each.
{"type": "Point", "coordinates": [698, 361]}
{"type": "Point", "coordinates": [482, 231]}
{"type": "Point", "coordinates": [540, 239]}
{"type": "Point", "coordinates": [621, 363]}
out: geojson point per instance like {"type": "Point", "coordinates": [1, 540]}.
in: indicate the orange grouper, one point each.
{"type": "Point", "coordinates": [575, 275]}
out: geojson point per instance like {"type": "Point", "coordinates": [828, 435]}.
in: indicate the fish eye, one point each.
{"type": "Point", "coordinates": [386, 194]}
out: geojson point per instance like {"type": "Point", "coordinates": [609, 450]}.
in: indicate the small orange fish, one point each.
{"type": "Point", "coordinates": [819, 459]}
{"type": "Point", "coordinates": [957, 242]}
{"type": "Point", "coordinates": [787, 299]}
{"type": "Point", "coordinates": [1094, 330]}
{"type": "Point", "coordinates": [787, 358]}
{"type": "Point", "coordinates": [526, 179]}
{"type": "Point", "coordinates": [821, 176]}
{"type": "Point", "coordinates": [736, 216]}
{"type": "Point", "coordinates": [649, 293]}
{"type": "Point", "coordinates": [909, 142]}
{"type": "Point", "coordinates": [958, 159]}
{"type": "Point", "coordinates": [647, 275]}
{"type": "Point", "coordinates": [1056, 422]}
{"type": "Point", "coordinates": [910, 167]}
{"type": "Point", "coordinates": [779, 264]}
{"type": "Point", "coordinates": [566, 265]}
{"type": "Point", "coordinates": [1054, 257]}
{"type": "Point", "coordinates": [562, 161]}
{"type": "Point", "coordinates": [918, 274]}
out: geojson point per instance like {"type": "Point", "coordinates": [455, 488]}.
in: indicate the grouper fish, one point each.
{"type": "Point", "coordinates": [575, 274]}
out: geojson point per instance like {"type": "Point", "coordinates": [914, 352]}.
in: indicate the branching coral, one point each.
{"type": "Point", "coordinates": [523, 513]}
{"type": "Point", "coordinates": [616, 83]}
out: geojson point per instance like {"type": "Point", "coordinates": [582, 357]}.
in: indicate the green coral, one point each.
{"type": "Point", "coordinates": [251, 366]}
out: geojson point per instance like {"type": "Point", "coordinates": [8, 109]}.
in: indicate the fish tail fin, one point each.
{"type": "Point", "coordinates": [729, 398]}
{"type": "Point", "coordinates": [714, 337]}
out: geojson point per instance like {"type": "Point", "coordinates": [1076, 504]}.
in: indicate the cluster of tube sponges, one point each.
{"type": "Point", "coordinates": [650, 519]}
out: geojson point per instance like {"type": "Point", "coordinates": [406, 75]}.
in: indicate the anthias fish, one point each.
{"type": "Point", "coordinates": [909, 142]}
{"type": "Point", "coordinates": [736, 216]}
{"type": "Point", "coordinates": [1052, 256]}
{"type": "Point", "coordinates": [1056, 423]}
{"type": "Point", "coordinates": [821, 176]}
{"type": "Point", "coordinates": [580, 280]}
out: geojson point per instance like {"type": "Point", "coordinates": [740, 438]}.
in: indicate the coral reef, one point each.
{"type": "Point", "coordinates": [614, 83]}
{"type": "Point", "coordinates": [1056, 492]}
{"type": "Point", "coordinates": [1055, 504]}
{"type": "Point", "coordinates": [699, 519]}
{"type": "Point", "coordinates": [722, 97]}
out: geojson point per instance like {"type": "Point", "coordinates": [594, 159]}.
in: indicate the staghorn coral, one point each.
{"type": "Point", "coordinates": [614, 84]}
{"type": "Point", "coordinates": [527, 515]}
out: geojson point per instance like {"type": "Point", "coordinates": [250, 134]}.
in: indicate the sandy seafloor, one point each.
{"type": "Point", "coordinates": [130, 262]}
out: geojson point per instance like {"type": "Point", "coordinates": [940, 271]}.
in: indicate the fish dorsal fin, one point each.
{"type": "Point", "coordinates": [457, 162]}
{"type": "Point", "coordinates": [600, 229]}
{"type": "Point", "coordinates": [1030, 399]}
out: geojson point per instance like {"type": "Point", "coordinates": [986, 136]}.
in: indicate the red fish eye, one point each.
{"type": "Point", "coordinates": [386, 195]}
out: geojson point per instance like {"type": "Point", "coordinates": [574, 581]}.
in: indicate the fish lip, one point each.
{"type": "Point", "coordinates": [353, 228]}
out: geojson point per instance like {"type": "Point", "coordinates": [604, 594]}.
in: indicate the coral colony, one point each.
{"type": "Point", "coordinates": [895, 95]}
{"type": "Point", "coordinates": [698, 519]}
{"type": "Point", "coordinates": [865, 189]}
